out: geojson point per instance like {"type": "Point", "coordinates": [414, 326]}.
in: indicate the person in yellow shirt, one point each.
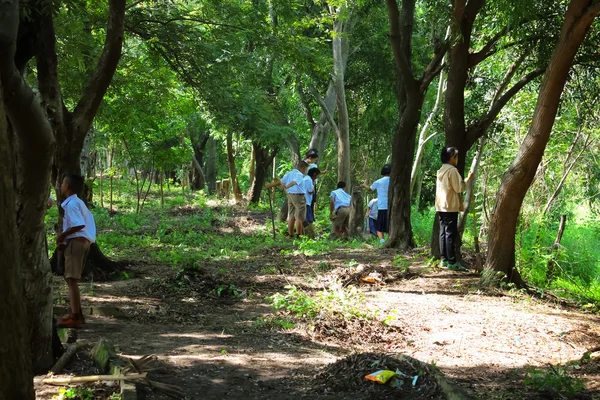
{"type": "Point", "coordinates": [448, 203]}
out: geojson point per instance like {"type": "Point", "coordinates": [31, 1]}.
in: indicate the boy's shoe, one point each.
{"type": "Point", "coordinates": [457, 267]}
{"type": "Point", "coordinates": [70, 321]}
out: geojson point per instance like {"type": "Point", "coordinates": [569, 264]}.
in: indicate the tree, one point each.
{"type": "Point", "coordinates": [517, 179]}
{"type": "Point", "coordinates": [15, 363]}
{"type": "Point", "coordinates": [411, 94]}
{"type": "Point", "coordinates": [34, 148]}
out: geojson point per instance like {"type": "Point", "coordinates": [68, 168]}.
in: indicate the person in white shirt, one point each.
{"type": "Point", "coordinates": [309, 187]}
{"type": "Point", "coordinates": [339, 210]}
{"type": "Point", "coordinates": [79, 232]}
{"type": "Point", "coordinates": [372, 216]}
{"type": "Point", "coordinates": [382, 186]}
{"type": "Point", "coordinates": [293, 186]}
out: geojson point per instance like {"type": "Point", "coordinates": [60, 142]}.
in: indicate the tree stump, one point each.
{"type": "Point", "coordinates": [357, 213]}
{"type": "Point", "coordinates": [225, 187]}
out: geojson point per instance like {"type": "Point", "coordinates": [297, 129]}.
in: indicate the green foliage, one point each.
{"type": "Point", "coordinates": [75, 393]}
{"type": "Point", "coordinates": [554, 382]}
{"type": "Point", "coordinates": [345, 301]}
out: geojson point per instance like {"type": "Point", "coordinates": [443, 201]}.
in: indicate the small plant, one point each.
{"type": "Point", "coordinates": [75, 393]}
{"type": "Point", "coordinates": [401, 263]}
{"type": "Point", "coordinates": [554, 382]}
{"type": "Point", "coordinates": [273, 322]}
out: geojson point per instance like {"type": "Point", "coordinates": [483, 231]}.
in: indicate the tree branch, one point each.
{"type": "Point", "coordinates": [304, 103]}
{"type": "Point", "coordinates": [434, 67]}
{"type": "Point", "coordinates": [486, 51]}
{"type": "Point", "coordinates": [326, 110]}
{"type": "Point", "coordinates": [22, 108]}
{"type": "Point", "coordinates": [402, 63]}
{"type": "Point", "coordinates": [189, 19]}
{"type": "Point", "coordinates": [88, 105]}
{"type": "Point", "coordinates": [479, 127]}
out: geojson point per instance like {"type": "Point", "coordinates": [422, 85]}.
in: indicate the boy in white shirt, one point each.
{"type": "Point", "coordinates": [339, 210]}
{"type": "Point", "coordinates": [309, 187]}
{"type": "Point", "coordinates": [382, 186]}
{"type": "Point", "coordinates": [293, 186]}
{"type": "Point", "coordinates": [372, 216]}
{"type": "Point", "coordinates": [79, 232]}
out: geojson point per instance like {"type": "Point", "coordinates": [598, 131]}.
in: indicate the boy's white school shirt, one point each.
{"type": "Point", "coordinates": [77, 214]}
{"type": "Point", "coordinates": [294, 176]}
{"type": "Point", "coordinates": [340, 199]}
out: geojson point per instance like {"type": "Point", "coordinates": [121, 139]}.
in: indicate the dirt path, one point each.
{"type": "Point", "coordinates": [211, 334]}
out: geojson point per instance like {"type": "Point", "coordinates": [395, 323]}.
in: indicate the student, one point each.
{"type": "Point", "coordinates": [293, 186]}
{"type": "Point", "coordinates": [339, 210]}
{"type": "Point", "coordinates": [311, 157]}
{"type": "Point", "coordinates": [309, 187]}
{"type": "Point", "coordinates": [372, 216]}
{"type": "Point", "coordinates": [79, 232]}
{"type": "Point", "coordinates": [448, 202]}
{"type": "Point", "coordinates": [382, 186]}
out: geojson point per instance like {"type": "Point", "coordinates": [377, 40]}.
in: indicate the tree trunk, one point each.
{"type": "Point", "coordinates": [400, 228]}
{"type": "Point", "coordinates": [211, 166]}
{"type": "Point", "coordinates": [424, 136]}
{"type": "Point", "coordinates": [34, 147]}
{"type": "Point", "coordinates": [470, 193]}
{"type": "Point", "coordinates": [85, 156]}
{"type": "Point", "coordinates": [232, 171]}
{"type": "Point", "coordinates": [340, 50]}
{"type": "Point", "coordinates": [411, 94]}
{"type": "Point", "coordinates": [356, 225]}
{"type": "Point", "coordinates": [263, 159]}
{"type": "Point", "coordinates": [252, 169]}
{"type": "Point", "coordinates": [322, 129]}
{"type": "Point", "coordinates": [551, 271]}
{"type": "Point", "coordinates": [517, 179]}
{"type": "Point", "coordinates": [15, 362]}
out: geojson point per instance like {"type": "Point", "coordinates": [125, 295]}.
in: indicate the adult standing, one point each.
{"type": "Point", "coordinates": [448, 203]}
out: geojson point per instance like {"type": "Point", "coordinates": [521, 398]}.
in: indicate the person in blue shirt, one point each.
{"type": "Point", "coordinates": [339, 210]}
{"type": "Point", "coordinates": [382, 186]}
{"type": "Point", "coordinates": [372, 216]}
{"type": "Point", "coordinates": [79, 232]}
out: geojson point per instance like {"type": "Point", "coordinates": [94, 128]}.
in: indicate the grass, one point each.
{"type": "Point", "coordinates": [182, 234]}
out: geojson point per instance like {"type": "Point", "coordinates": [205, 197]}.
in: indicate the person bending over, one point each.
{"type": "Point", "coordinates": [339, 210]}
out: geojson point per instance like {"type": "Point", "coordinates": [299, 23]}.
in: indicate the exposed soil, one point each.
{"type": "Point", "coordinates": [208, 328]}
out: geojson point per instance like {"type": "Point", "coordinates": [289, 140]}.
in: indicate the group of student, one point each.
{"type": "Point", "coordinates": [300, 186]}
{"type": "Point", "coordinates": [79, 229]}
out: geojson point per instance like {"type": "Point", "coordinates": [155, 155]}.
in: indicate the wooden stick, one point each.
{"type": "Point", "coordinates": [92, 378]}
{"type": "Point", "coordinates": [67, 355]}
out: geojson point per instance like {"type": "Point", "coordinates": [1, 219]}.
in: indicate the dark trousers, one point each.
{"type": "Point", "coordinates": [448, 235]}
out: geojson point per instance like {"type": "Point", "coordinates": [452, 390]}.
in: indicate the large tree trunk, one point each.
{"type": "Point", "coordinates": [517, 179]}
{"type": "Point", "coordinates": [263, 159]}
{"type": "Point", "coordinates": [211, 166]}
{"type": "Point", "coordinates": [34, 148]}
{"type": "Point", "coordinates": [322, 129]}
{"type": "Point", "coordinates": [232, 170]}
{"type": "Point", "coordinates": [400, 228]}
{"type": "Point", "coordinates": [411, 94]}
{"type": "Point", "coordinates": [15, 362]}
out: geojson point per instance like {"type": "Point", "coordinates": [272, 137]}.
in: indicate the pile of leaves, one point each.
{"type": "Point", "coordinates": [356, 331]}
{"type": "Point", "coordinates": [347, 375]}
{"type": "Point", "coordinates": [364, 275]}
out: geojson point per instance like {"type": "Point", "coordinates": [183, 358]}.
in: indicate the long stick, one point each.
{"type": "Point", "coordinates": [271, 207]}
{"type": "Point", "coordinates": [93, 378]}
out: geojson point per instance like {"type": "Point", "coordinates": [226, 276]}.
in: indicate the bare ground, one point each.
{"type": "Point", "coordinates": [213, 347]}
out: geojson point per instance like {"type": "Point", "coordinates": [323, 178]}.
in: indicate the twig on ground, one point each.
{"type": "Point", "coordinates": [92, 378]}
{"type": "Point", "coordinates": [67, 355]}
